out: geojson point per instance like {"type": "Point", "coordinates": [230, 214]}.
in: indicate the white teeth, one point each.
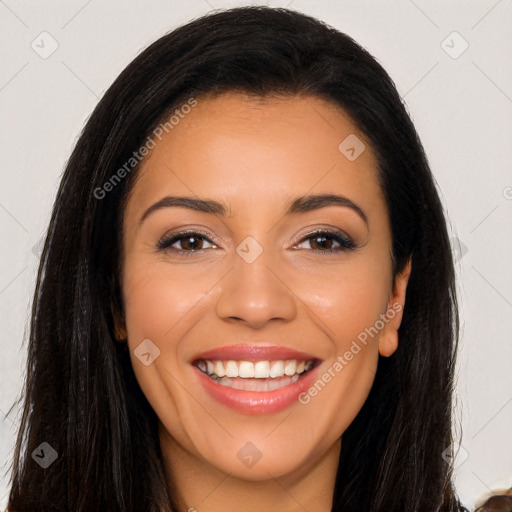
{"type": "Point", "coordinates": [218, 369]}
{"type": "Point", "coordinates": [290, 368]}
{"type": "Point", "coordinates": [246, 370]}
{"type": "Point", "coordinates": [258, 384]}
{"type": "Point", "coordinates": [231, 369]}
{"type": "Point", "coordinates": [256, 370]}
{"type": "Point", "coordinates": [276, 369]}
{"type": "Point", "coordinates": [262, 370]}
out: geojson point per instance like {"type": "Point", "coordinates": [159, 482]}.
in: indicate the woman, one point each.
{"type": "Point", "coordinates": [246, 295]}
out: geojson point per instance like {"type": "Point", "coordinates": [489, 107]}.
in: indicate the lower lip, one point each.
{"type": "Point", "coordinates": [257, 402]}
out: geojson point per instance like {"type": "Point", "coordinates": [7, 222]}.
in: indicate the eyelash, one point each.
{"type": "Point", "coordinates": [346, 244]}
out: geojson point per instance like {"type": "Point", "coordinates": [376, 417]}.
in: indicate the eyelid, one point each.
{"type": "Point", "coordinates": [173, 236]}
{"type": "Point", "coordinates": [344, 240]}
{"type": "Point", "coordinates": [325, 229]}
{"type": "Point", "coordinates": [191, 230]}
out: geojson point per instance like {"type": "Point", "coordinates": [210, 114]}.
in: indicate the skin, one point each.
{"type": "Point", "coordinates": [256, 155]}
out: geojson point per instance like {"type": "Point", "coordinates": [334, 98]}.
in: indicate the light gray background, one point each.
{"type": "Point", "coordinates": [461, 107]}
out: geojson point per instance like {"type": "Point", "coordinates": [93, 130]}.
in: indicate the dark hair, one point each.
{"type": "Point", "coordinates": [81, 395]}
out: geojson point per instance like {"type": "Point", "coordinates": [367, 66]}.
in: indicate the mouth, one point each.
{"type": "Point", "coordinates": [255, 375]}
{"type": "Point", "coordinates": [255, 380]}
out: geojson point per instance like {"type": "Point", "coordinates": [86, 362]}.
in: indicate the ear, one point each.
{"type": "Point", "coordinates": [388, 340]}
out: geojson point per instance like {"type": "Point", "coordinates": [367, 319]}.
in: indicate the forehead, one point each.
{"type": "Point", "coordinates": [253, 152]}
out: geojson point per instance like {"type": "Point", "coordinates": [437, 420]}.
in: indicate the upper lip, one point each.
{"type": "Point", "coordinates": [254, 353]}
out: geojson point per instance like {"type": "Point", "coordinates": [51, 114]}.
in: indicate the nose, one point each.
{"type": "Point", "coordinates": [255, 293]}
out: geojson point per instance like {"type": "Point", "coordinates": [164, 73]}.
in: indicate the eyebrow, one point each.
{"type": "Point", "coordinates": [301, 204]}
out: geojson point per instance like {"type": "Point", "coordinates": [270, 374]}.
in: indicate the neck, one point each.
{"type": "Point", "coordinates": [201, 487]}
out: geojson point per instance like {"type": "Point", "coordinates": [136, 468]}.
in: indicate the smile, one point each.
{"type": "Point", "coordinates": [255, 376]}
{"type": "Point", "coordinates": [255, 379]}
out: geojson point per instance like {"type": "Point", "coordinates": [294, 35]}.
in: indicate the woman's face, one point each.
{"type": "Point", "coordinates": [251, 291]}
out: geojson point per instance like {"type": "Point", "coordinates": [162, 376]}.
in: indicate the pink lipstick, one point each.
{"type": "Point", "coordinates": [255, 379]}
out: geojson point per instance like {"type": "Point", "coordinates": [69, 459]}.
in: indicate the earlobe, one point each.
{"type": "Point", "coordinates": [388, 343]}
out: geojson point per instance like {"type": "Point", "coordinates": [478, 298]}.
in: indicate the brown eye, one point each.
{"type": "Point", "coordinates": [190, 242]}
{"type": "Point", "coordinates": [325, 241]}
{"type": "Point", "coordinates": [322, 242]}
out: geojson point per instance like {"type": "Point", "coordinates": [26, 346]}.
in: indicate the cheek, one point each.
{"type": "Point", "coordinates": [347, 300]}
{"type": "Point", "coordinates": [158, 297]}
{"type": "Point", "coordinates": [347, 304]}
{"type": "Point", "coordinates": [162, 303]}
